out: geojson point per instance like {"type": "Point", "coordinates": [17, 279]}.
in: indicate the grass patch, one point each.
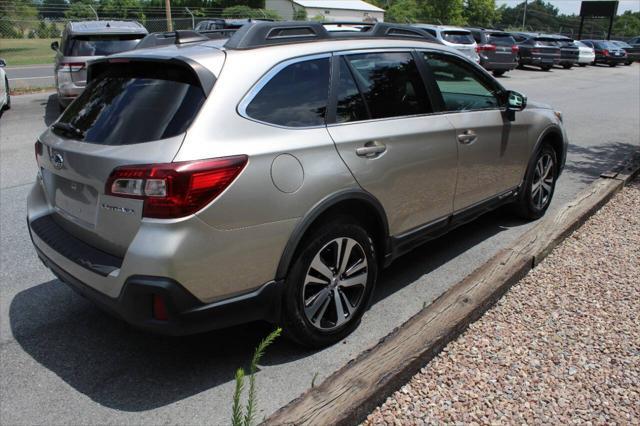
{"type": "Point", "coordinates": [29, 90]}
{"type": "Point", "coordinates": [24, 51]}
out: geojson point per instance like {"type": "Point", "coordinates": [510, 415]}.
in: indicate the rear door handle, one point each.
{"type": "Point", "coordinates": [371, 149]}
{"type": "Point", "coordinates": [467, 137]}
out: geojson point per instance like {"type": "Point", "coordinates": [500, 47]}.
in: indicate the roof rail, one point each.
{"type": "Point", "coordinates": [261, 34]}
{"type": "Point", "coordinates": [180, 37]}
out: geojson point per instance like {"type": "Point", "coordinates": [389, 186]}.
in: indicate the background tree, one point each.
{"type": "Point", "coordinates": [482, 13]}
{"type": "Point", "coordinates": [404, 11]}
{"type": "Point", "coordinates": [449, 12]}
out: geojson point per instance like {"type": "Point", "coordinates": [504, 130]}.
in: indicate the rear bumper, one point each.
{"type": "Point", "coordinates": [539, 61]}
{"type": "Point", "coordinates": [611, 60]}
{"type": "Point", "coordinates": [498, 66]}
{"type": "Point", "coordinates": [186, 314]}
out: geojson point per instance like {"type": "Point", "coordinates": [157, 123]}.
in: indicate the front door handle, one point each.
{"type": "Point", "coordinates": [467, 137]}
{"type": "Point", "coordinates": [371, 149]}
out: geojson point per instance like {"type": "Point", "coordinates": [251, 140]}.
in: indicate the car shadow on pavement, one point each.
{"type": "Point", "coordinates": [588, 162]}
{"type": "Point", "coordinates": [430, 256]}
{"type": "Point", "coordinates": [130, 370]}
{"type": "Point", "coordinates": [123, 368]}
{"type": "Point", "coordinates": [51, 109]}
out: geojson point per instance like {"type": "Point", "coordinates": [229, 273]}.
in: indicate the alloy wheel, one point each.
{"type": "Point", "coordinates": [542, 185]}
{"type": "Point", "coordinates": [335, 284]}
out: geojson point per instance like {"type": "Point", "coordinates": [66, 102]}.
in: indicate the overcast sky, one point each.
{"type": "Point", "coordinates": [573, 6]}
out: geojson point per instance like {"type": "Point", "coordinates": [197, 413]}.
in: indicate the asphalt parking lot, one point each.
{"type": "Point", "coordinates": [66, 362]}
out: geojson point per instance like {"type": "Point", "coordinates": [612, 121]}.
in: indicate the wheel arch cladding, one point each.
{"type": "Point", "coordinates": [553, 136]}
{"type": "Point", "coordinates": [360, 205]}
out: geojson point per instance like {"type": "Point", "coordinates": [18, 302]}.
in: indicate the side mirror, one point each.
{"type": "Point", "coordinates": [515, 102]}
{"type": "Point", "coordinates": [55, 46]}
{"type": "Point", "coordinates": [2, 63]}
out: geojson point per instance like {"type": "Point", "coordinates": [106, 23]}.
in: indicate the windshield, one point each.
{"type": "Point", "coordinates": [621, 44]}
{"type": "Point", "coordinates": [458, 37]}
{"type": "Point", "coordinates": [132, 103]}
{"type": "Point", "coordinates": [101, 45]}
{"type": "Point", "coordinates": [547, 42]}
{"type": "Point", "coordinates": [566, 43]}
{"type": "Point", "coordinates": [501, 39]}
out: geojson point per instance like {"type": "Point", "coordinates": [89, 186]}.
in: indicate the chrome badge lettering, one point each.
{"type": "Point", "coordinates": [118, 209]}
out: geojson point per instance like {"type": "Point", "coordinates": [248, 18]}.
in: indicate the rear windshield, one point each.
{"type": "Point", "coordinates": [133, 102]}
{"type": "Point", "coordinates": [605, 45]}
{"type": "Point", "coordinates": [101, 45]}
{"type": "Point", "coordinates": [547, 41]}
{"type": "Point", "coordinates": [501, 39]}
{"type": "Point", "coordinates": [566, 43]}
{"type": "Point", "coordinates": [458, 37]}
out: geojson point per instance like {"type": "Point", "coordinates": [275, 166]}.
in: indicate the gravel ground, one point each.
{"type": "Point", "coordinates": [563, 346]}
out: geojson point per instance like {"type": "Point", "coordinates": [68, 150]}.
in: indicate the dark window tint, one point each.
{"type": "Point", "coordinates": [391, 84]}
{"type": "Point", "coordinates": [101, 45]}
{"type": "Point", "coordinates": [461, 88]}
{"type": "Point", "coordinates": [457, 37]}
{"type": "Point", "coordinates": [295, 97]}
{"type": "Point", "coordinates": [132, 103]}
{"type": "Point", "coordinates": [350, 104]}
{"type": "Point", "coordinates": [477, 36]}
{"type": "Point", "coordinates": [546, 42]}
{"type": "Point", "coordinates": [501, 39]}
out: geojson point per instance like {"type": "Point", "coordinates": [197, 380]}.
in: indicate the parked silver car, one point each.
{"type": "Point", "coordinates": [271, 175]}
{"type": "Point", "coordinates": [85, 40]}
{"type": "Point", "coordinates": [458, 38]}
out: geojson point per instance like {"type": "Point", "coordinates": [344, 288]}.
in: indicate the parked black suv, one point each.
{"type": "Point", "coordinates": [607, 52]}
{"type": "Point", "coordinates": [497, 50]}
{"type": "Point", "coordinates": [537, 50]}
{"type": "Point", "coordinates": [569, 52]}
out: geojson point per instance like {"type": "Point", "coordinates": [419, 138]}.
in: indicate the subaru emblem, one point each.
{"type": "Point", "coordinates": [58, 160]}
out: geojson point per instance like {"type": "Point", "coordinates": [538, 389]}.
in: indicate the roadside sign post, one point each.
{"type": "Point", "coordinates": [598, 10]}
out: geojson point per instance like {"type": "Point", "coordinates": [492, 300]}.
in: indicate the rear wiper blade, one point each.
{"type": "Point", "coordinates": [69, 128]}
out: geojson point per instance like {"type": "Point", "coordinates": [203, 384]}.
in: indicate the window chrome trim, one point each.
{"type": "Point", "coordinates": [266, 78]}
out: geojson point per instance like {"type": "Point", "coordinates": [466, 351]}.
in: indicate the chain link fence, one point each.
{"type": "Point", "coordinates": [52, 28]}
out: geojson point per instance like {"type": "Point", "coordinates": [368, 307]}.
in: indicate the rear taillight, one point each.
{"type": "Point", "coordinates": [72, 66]}
{"type": "Point", "coordinates": [173, 190]}
{"type": "Point", "coordinates": [605, 52]}
{"type": "Point", "coordinates": [515, 48]}
{"type": "Point", "coordinates": [486, 48]}
{"type": "Point", "coordinates": [38, 149]}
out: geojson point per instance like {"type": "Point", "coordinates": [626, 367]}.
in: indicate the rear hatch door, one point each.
{"type": "Point", "coordinates": [131, 113]}
{"type": "Point", "coordinates": [504, 53]}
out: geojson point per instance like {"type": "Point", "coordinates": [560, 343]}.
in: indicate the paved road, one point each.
{"type": "Point", "coordinates": [63, 361]}
{"type": "Point", "coordinates": [30, 76]}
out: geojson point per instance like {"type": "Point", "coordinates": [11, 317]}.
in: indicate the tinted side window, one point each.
{"type": "Point", "coordinates": [461, 88]}
{"type": "Point", "coordinates": [295, 97]}
{"type": "Point", "coordinates": [390, 83]}
{"type": "Point", "coordinates": [350, 103]}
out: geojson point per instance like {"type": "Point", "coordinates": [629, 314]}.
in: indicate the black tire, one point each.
{"type": "Point", "coordinates": [528, 205]}
{"type": "Point", "coordinates": [582, 65]}
{"type": "Point", "coordinates": [6, 86]}
{"type": "Point", "coordinates": [295, 319]}
{"type": "Point", "coordinates": [567, 66]}
{"type": "Point", "coordinates": [628, 63]}
{"type": "Point", "coordinates": [498, 73]}
{"type": "Point", "coordinates": [613, 65]}
{"type": "Point", "coordinates": [545, 68]}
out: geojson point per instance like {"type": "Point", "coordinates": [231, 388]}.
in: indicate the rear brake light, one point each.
{"type": "Point", "coordinates": [173, 190]}
{"type": "Point", "coordinates": [72, 66]}
{"type": "Point", "coordinates": [515, 48]}
{"type": "Point", "coordinates": [486, 48]}
{"type": "Point", "coordinates": [605, 52]}
{"type": "Point", "coordinates": [38, 149]}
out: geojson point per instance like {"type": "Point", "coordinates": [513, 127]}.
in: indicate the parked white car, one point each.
{"type": "Point", "coordinates": [5, 97]}
{"type": "Point", "coordinates": [458, 38]}
{"type": "Point", "coordinates": [586, 55]}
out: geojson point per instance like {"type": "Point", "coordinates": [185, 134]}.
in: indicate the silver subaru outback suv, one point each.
{"type": "Point", "coordinates": [270, 176]}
